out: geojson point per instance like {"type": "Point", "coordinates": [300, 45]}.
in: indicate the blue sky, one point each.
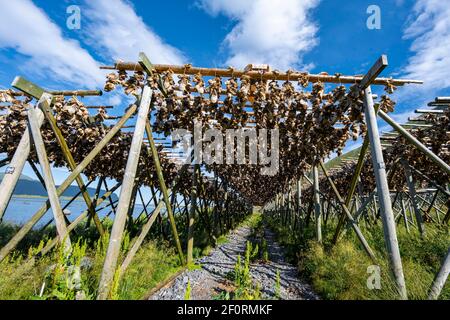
{"type": "Point", "coordinates": [313, 35]}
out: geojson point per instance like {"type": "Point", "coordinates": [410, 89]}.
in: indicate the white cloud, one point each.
{"type": "Point", "coordinates": [115, 100]}
{"type": "Point", "coordinates": [28, 30]}
{"type": "Point", "coordinates": [115, 27]}
{"type": "Point", "coordinates": [276, 32]}
{"type": "Point", "coordinates": [429, 26]}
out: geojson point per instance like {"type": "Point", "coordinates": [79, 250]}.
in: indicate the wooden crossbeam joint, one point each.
{"type": "Point", "coordinates": [373, 73]}
{"type": "Point", "coordinates": [27, 87]}
{"type": "Point", "coordinates": [145, 63]}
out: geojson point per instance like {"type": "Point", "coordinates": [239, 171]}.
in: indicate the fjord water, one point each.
{"type": "Point", "coordinates": [21, 209]}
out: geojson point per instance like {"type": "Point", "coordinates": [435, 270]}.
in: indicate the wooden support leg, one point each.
{"type": "Point", "coordinates": [405, 216]}
{"type": "Point", "coordinates": [317, 208]}
{"type": "Point", "coordinates": [17, 163]}
{"type": "Point", "coordinates": [163, 188]}
{"type": "Point", "coordinates": [431, 206]}
{"type": "Point", "coordinates": [72, 165]}
{"type": "Point", "coordinates": [349, 216]}
{"type": "Point", "coordinates": [136, 245]}
{"type": "Point", "coordinates": [190, 239]}
{"type": "Point", "coordinates": [112, 254]}
{"type": "Point", "coordinates": [383, 193]}
{"type": "Point", "coordinates": [408, 136]}
{"type": "Point", "coordinates": [113, 208]}
{"type": "Point", "coordinates": [412, 195]}
{"type": "Point", "coordinates": [33, 123]}
{"type": "Point", "coordinates": [440, 279]}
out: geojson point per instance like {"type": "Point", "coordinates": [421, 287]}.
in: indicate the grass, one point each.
{"type": "Point", "coordinates": [343, 271]}
{"type": "Point", "coordinates": [154, 262]}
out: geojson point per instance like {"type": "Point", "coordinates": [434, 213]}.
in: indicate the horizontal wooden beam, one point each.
{"type": "Point", "coordinates": [428, 111]}
{"type": "Point", "coordinates": [444, 166]}
{"type": "Point", "coordinates": [33, 90]}
{"type": "Point", "coordinates": [273, 75]}
{"type": "Point", "coordinates": [442, 99]}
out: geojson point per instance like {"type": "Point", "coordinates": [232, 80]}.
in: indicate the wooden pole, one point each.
{"type": "Point", "coordinates": [50, 245]}
{"type": "Point", "coordinates": [430, 155]}
{"type": "Point", "coordinates": [112, 254]}
{"type": "Point", "coordinates": [37, 92]}
{"type": "Point", "coordinates": [349, 216]}
{"type": "Point", "coordinates": [353, 184]}
{"type": "Point", "coordinates": [440, 279]}
{"type": "Point", "coordinates": [132, 66]}
{"type": "Point", "coordinates": [146, 65]}
{"type": "Point", "coordinates": [163, 189]}
{"type": "Point", "coordinates": [34, 127]}
{"type": "Point", "coordinates": [405, 216]}
{"type": "Point", "coordinates": [190, 239]}
{"type": "Point", "coordinates": [412, 195]}
{"type": "Point", "coordinates": [383, 193]}
{"type": "Point", "coordinates": [72, 165]}
{"type": "Point", "coordinates": [136, 245]}
{"type": "Point", "coordinates": [17, 163]}
{"type": "Point", "coordinates": [317, 208]}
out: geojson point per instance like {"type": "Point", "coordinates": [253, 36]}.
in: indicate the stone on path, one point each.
{"type": "Point", "coordinates": [211, 279]}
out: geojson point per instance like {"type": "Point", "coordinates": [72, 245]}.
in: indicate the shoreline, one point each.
{"type": "Point", "coordinates": [25, 196]}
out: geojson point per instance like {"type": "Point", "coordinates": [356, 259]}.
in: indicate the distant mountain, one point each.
{"type": "Point", "coordinates": [22, 177]}
{"type": "Point", "coordinates": [30, 187]}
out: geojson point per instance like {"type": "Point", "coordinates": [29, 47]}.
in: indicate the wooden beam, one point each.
{"type": "Point", "coordinates": [137, 244]}
{"type": "Point", "coordinates": [132, 66]}
{"type": "Point", "coordinates": [16, 165]}
{"type": "Point", "coordinates": [440, 279]}
{"type": "Point", "coordinates": [33, 124]}
{"type": "Point", "coordinates": [387, 214]}
{"type": "Point", "coordinates": [317, 207]}
{"type": "Point", "coordinates": [146, 62]}
{"type": "Point", "coordinates": [444, 166]}
{"type": "Point", "coordinates": [412, 194]}
{"type": "Point", "coordinates": [36, 92]}
{"type": "Point", "coordinates": [115, 243]}
{"type": "Point", "coordinates": [373, 73]}
{"type": "Point", "coordinates": [353, 223]}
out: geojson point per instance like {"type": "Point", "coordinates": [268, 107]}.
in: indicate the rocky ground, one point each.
{"type": "Point", "coordinates": [211, 279]}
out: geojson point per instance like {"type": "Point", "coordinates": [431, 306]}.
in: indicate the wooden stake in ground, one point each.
{"type": "Point", "coordinates": [148, 67]}
{"type": "Point", "coordinates": [317, 208]}
{"type": "Point", "coordinates": [115, 243]}
{"type": "Point", "coordinates": [33, 124]}
{"type": "Point", "coordinates": [140, 239]}
{"type": "Point", "coordinates": [387, 215]}
{"type": "Point", "coordinates": [349, 216]}
{"type": "Point", "coordinates": [441, 278]}
{"type": "Point", "coordinates": [412, 195]}
{"type": "Point", "coordinates": [190, 238]}
{"type": "Point", "coordinates": [16, 167]}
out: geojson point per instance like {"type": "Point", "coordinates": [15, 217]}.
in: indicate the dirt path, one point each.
{"type": "Point", "coordinates": [210, 280]}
